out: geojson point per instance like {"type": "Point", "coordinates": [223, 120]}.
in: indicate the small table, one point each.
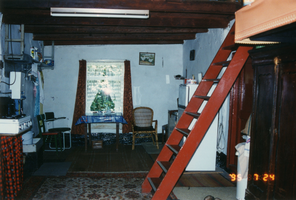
{"type": "Point", "coordinates": [98, 118]}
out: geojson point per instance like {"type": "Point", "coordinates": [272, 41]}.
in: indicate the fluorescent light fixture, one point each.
{"type": "Point", "coordinates": [99, 12]}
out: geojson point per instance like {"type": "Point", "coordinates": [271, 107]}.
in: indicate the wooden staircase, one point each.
{"type": "Point", "coordinates": [174, 157]}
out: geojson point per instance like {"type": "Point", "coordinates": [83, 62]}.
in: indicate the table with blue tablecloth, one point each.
{"type": "Point", "coordinates": [100, 118]}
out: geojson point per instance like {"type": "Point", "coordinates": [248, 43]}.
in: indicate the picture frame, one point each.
{"type": "Point", "coordinates": [146, 58]}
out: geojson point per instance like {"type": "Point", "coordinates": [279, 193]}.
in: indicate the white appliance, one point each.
{"type": "Point", "coordinates": [204, 158]}
{"type": "Point", "coordinates": [13, 126]}
{"type": "Point", "coordinates": [185, 93]}
{"type": "Point", "coordinates": [15, 84]}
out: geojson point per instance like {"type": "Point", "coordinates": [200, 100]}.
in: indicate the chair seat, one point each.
{"type": "Point", "coordinates": [64, 130]}
{"type": "Point", "coordinates": [60, 129]}
{"type": "Point", "coordinates": [150, 128]}
{"type": "Point", "coordinates": [50, 133]}
{"type": "Point", "coordinates": [50, 136]}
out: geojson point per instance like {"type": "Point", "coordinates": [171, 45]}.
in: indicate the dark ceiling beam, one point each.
{"type": "Point", "coordinates": [156, 20]}
{"type": "Point", "coordinates": [24, 11]}
{"type": "Point", "coordinates": [152, 5]}
{"type": "Point", "coordinates": [93, 37]}
{"type": "Point", "coordinates": [52, 29]}
{"type": "Point", "coordinates": [122, 42]}
{"type": "Point", "coordinates": [170, 21]}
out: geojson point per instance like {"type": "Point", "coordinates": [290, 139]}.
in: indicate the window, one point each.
{"type": "Point", "coordinates": [104, 87]}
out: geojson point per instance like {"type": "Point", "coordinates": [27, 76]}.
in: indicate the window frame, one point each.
{"type": "Point", "coordinates": [108, 82]}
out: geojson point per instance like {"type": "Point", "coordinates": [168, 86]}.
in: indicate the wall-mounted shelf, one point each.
{"type": "Point", "coordinates": [17, 63]}
{"type": "Point", "coordinates": [42, 66]}
{"type": "Point", "coordinates": [22, 63]}
{"type": "Point", "coordinates": [51, 57]}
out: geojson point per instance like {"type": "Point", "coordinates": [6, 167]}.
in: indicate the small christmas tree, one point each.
{"type": "Point", "coordinates": [102, 102]}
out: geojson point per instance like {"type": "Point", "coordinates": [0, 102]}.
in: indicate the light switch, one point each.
{"type": "Point", "coordinates": [167, 79]}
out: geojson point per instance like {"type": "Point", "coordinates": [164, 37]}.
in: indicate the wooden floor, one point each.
{"type": "Point", "coordinates": [109, 161]}
{"type": "Point", "coordinates": [106, 159]}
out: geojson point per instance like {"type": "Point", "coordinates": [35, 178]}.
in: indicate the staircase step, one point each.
{"type": "Point", "coordinates": [212, 80]}
{"type": "Point", "coordinates": [195, 115]}
{"type": "Point", "coordinates": [223, 63]}
{"type": "Point", "coordinates": [174, 148]}
{"type": "Point", "coordinates": [231, 47]}
{"type": "Point", "coordinates": [184, 131]}
{"type": "Point", "coordinates": [154, 182]}
{"type": "Point", "coordinates": [165, 165]}
{"type": "Point", "coordinates": [202, 97]}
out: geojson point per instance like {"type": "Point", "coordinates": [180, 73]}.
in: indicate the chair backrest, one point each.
{"type": "Point", "coordinates": [49, 115]}
{"type": "Point", "coordinates": [143, 116]}
{"type": "Point", "coordinates": [41, 124]}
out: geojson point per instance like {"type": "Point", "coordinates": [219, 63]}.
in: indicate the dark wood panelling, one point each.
{"type": "Point", "coordinates": [86, 42]}
{"type": "Point", "coordinates": [59, 29]}
{"type": "Point", "coordinates": [272, 149]}
{"type": "Point", "coordinates": [155, 20]}
{"type": "Point", "coordinates": [110, 37]}
{"type": "Point", "coordinates": [241, 101]}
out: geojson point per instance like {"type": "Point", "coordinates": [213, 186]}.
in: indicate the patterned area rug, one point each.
{"type": "Point", "coordinates": [103, 186]}
{"type": "Point", "coordinates": [91, 188]}
{"type": "Point", "coordinates": [83, 188]}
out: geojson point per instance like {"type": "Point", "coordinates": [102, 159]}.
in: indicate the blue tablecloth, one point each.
{"type": "Point", "coordinates": [111, 118]}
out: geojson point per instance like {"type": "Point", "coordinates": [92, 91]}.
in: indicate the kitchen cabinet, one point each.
{"type": "Point", "coordinates": [273, 135]}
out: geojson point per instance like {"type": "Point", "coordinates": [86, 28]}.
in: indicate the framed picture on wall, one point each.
{"type": "Point", "coordinates": [146, 58]}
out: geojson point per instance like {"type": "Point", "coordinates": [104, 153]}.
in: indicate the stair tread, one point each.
{"type": "Point", "coordinates": [212, 80]}
{"type": "Point", "coordinates": [174, 148]}
{"type": "Point", "coordinates": [223, 63]}
{"type": "Point", "coordinates": [202, 97]}
{"type": "Point", "coordinates": [154, 182]}
{"type": "Point", "coordinates": [185, 131]}
{"type": "Point", "coordinates": [195, 115]}
{"type": "Point", "coordinates": [165, 165]}
{"type": "Point", "coordinates": [231, 47]}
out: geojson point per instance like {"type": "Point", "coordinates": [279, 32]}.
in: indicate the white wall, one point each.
{"type": "Point", "coordinates": [206, 46]}
{"type": "Point", "coordinates": [152, 86]}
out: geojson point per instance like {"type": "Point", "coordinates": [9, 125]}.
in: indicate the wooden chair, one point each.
{"type": "Point", "coordinates": [48, 137]}
{"type": "Point", "coordinates": [142, 126]}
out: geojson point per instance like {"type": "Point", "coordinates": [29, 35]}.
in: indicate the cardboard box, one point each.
{"type": "Point", "coordinates": [97, 144]}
